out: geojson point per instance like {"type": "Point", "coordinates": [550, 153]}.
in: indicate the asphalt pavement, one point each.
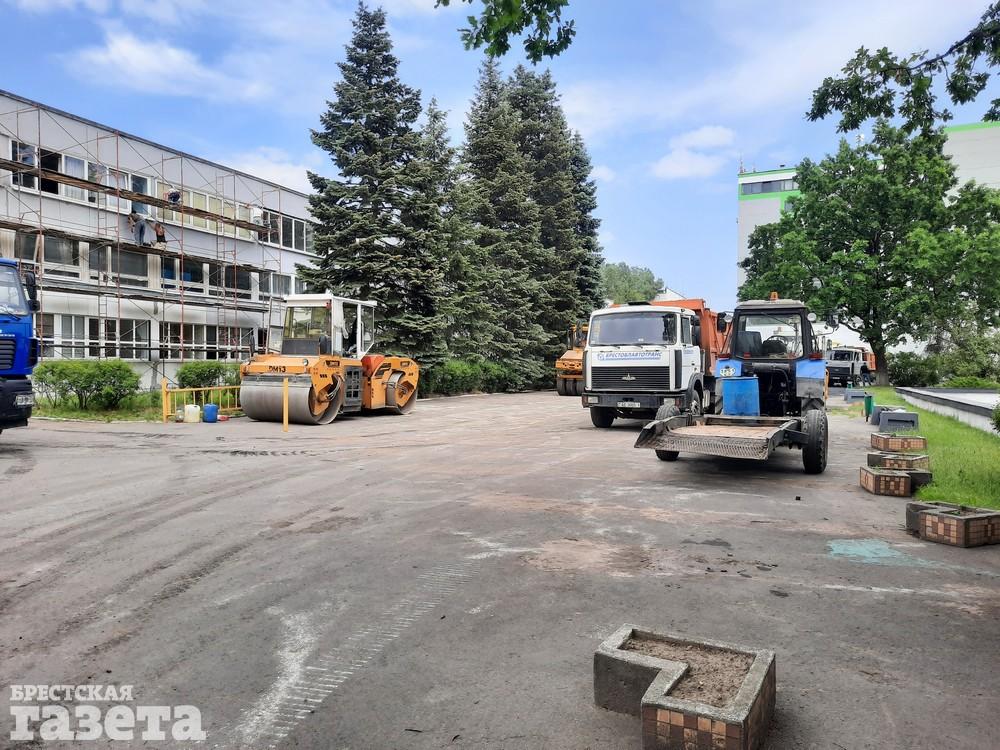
{"type": "Point", "coordinates": [441, 580]}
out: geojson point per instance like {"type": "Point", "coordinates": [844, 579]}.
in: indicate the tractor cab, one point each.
{"type": "Point", "coordinates": [323, 324]}
{"type": "Point", "coordinates": [773, 341]}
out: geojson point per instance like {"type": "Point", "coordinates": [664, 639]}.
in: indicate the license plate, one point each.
{"type": "Point", "coordinates": [24, 399]}
{"type": "Point", "coordinates": [629, 405]}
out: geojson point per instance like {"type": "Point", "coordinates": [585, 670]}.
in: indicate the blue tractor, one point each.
{"type": "Point", "coordinates": [770, 390]}
{"type": "Point", "coordinates": [18, 345]}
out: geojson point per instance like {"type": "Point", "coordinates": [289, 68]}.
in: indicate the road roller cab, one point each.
{"type": "Point", "coordinates": [324, 357]}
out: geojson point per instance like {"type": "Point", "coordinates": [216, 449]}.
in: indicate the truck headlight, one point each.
{"type": "Point", "coordinates": [24, 399]}
{"type": "Point", "coordinates": [593, 399]}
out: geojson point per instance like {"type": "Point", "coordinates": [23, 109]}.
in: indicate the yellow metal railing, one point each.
{"type": "Point", "coordinates": [226, 397]}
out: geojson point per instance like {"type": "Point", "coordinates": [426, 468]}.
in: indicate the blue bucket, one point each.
{"type": "Point", "coordinates": [211, 413]}
{"type": "Point", "coordinates": [740, 397]}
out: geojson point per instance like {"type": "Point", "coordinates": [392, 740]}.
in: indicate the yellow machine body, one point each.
{"type": "Point", "coordinates": [569, 367]}
{"type": "Point", "coordinates": [325, 361]}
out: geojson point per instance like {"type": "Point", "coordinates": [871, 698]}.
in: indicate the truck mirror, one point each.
{"type": "Point", "coordinates": [720, 323]}
{"type": "Point", "coordinates": [696, 334]}
{"type": "Point", "coordinates": [31, 285]}
{"type": "Point", "coordinates": [831, 320]}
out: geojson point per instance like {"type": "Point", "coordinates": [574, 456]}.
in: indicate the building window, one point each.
{"type": "Point", "coordinates": [238, 279]}
{"type": "Point", "coordinates": [287, 233]}
{"type": "Point", "coordinates": [768, 186]}
{"type": "Point", "coordinates": [272, 234]}
{"type": "Point", "coordinates": [47, 333]}
{"type": "Point", "coordinates": [310, 238]}
{"type": "Point", "coordinates": [51, 161]}
{"type": "Point", "coordinates": [61, 256]}
{"type": "Point", "coordinates": [72, 337]}
{"type": "Point", "coordinates": [278, 284]}
{"type": "Point", "coordinates": [175, 339]}
{"type": "Point", "coordinates": [73, 167]}
{"type": "Point", "coordinates": [26, 154]}
{"type": "Point", "coordinates": [127, 266]}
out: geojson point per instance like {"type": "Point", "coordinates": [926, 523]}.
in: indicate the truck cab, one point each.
{"type": "Point", "coordinates": [848, 365]}
{"type": "Point", "coordinates": [18, 346]}
{"type": "Point", "coordinates": [640, 356]}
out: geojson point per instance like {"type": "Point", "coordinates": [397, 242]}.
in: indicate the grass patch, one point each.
{"type": "Point", "coordinates": [143, 407]}
{"type": "Point", "coordinates": [964, 460]}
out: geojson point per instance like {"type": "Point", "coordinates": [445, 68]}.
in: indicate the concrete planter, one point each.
{"type": "Point", "coordinates": [883, 441]}
{"type": "Point", "coordinates": [638, 684]}
{"type": "Point", "coordinates": [886, 482]}
{"type": "Point", "coordinates": [957, 525]}
{"type": "Point", "coordinates": [899, 461]}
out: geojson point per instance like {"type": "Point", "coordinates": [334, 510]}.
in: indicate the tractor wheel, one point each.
{"type": "Point", "coordinates": [814, 425]}
{"type": "Point", "coordinates": [665, 412]}
{"type": "Point", "coordinates": [561, 386]}
{"type": "Point", "coordinates": [602, 416]}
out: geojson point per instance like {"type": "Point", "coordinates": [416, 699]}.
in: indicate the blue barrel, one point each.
{"type": "Point", "coordinates": [740, 397]}
{"type": "Point", "coordinates": [211, 413]}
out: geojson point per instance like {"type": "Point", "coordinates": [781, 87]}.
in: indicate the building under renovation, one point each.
{"type": "Point", "coordinates": [144, 252]}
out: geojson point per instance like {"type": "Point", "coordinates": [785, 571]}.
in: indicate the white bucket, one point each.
{"type": "Point", "coordinates": [192, 413]}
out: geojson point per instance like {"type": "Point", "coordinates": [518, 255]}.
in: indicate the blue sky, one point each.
{"type": "Point", "coordinates": [670, 95]}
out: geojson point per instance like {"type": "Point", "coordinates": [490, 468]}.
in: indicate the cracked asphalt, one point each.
{"type": "Point", "coordinates": [441, 580]}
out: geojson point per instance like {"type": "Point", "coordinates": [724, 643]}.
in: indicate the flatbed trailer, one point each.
{"type": "Point", "coordinates": [752, 438]}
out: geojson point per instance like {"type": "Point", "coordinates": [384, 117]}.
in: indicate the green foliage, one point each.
{"type": "Point", "coordinates": [455, 376]}
{"type": "Point", "coordinates": [375, 218]}
{"type": "Point", "coordinates": [967, 349]}
{"type": "Point", "coordinates": [621, 282]}
{"type": "Point", "coordinates": [907, 369]}
{"type": "Point", "coordinates": [996, 417]}
{"type": "Point", "coordinates": [971, 381]}
{"type": "Point", "coordinates": [207, 373]}
{"type": "Point", "coordinates": [104, 383]}
{"type": "Point", "coordinates": [882, 84]}
{"type": "Point", "coordinates": [879, 237]}
{"type": "Point", "coordinates": [547, 34]}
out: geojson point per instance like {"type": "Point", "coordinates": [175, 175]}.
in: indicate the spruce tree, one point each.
{"type": "Point", "coordinates": [373, 233]}
{"type": "Point", "coordinates": [549, 147]}
{"type": "Point", "coordinates": [505, 249]}
{"type": "Point", "coordinates": [588, 276]}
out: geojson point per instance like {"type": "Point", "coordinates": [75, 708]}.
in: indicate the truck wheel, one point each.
{"type": "Point", "coordinates": [602, 416]}
{"type": "Point", "coordinates": [817, 441]}
{"type": "Point", "coordinates": [665, 412]}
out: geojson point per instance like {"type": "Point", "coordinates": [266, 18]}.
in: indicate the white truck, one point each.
{"type": "Point", "coordinates": [641, 356]}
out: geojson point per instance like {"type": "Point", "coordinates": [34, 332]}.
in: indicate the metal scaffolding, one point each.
{"type": "Point", "coordinates": [175, 178]}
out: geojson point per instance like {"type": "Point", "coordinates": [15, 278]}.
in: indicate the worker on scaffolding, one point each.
{"type": "Point", "coordinates": [161, 236]}
{"type": "Point", "coordinates": [137, 223]}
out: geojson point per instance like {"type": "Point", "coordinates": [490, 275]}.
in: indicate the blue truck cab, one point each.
{"type": "Point", "coordinates": [18, 345]}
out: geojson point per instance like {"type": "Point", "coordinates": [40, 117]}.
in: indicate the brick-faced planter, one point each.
{"type": "Point", "coordinates": [899, 461]}
{"type": "Point", "coordinates": [884, 441]}
{"type": "Point", "coordinates": [637, 683]}
{"type": "Point", "coordinates": [958, 525]}
{"type": "Point", "coordinates": [886, 482]}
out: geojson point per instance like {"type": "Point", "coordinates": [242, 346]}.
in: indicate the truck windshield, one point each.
{"type": "Point", "coordinates": [633, 329]}
{"type": "Point", "coordinates": [843, 356]}
{"type": "Point", "coordinates": [12, 300]}
{"type": "Point", "coordinates": [767, 336]}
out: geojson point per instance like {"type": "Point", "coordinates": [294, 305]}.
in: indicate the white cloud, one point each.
{"type": "Point", "coordinates": [682, 163]}
{"type": "Point", "coordinates": [603, 173]}
{"type": "Point", "coordinates": [277, 165]}
{"type": "Point", "coordinates": [126, 61]}
{"type": "Point", "coordinates": [606, 237]}
{"type": "Point", "coordinates": [707, 136]}
{"type": "Point", "coordinates": [780, 57]}
{"type": "Point", "coordinates": [46, 6]}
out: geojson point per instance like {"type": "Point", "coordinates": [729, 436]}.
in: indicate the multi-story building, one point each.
{"type": "Point", "coordinates": [974, 149]}
{"type": "Point", "coordinates": [80, 203]}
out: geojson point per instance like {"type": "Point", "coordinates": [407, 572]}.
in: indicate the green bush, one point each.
{"type": "Point", "coordinates": [115, 381]}
{"type": "Point", "coordinates": [909, 369]}
{"type": "Point", "coordinates": [996, 418]}
{"type": "Point", "coordinates": [971, 381]}
{"type": "Point", "coordinates": [91, 382]}
{"type": "Point", "coordinates": [207, 373]}
{"type": "Point", "coordinates": [455, 376]}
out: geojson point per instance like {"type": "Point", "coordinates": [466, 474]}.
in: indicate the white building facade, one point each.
{"type": "Point", "coordinates": [212, 290]}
